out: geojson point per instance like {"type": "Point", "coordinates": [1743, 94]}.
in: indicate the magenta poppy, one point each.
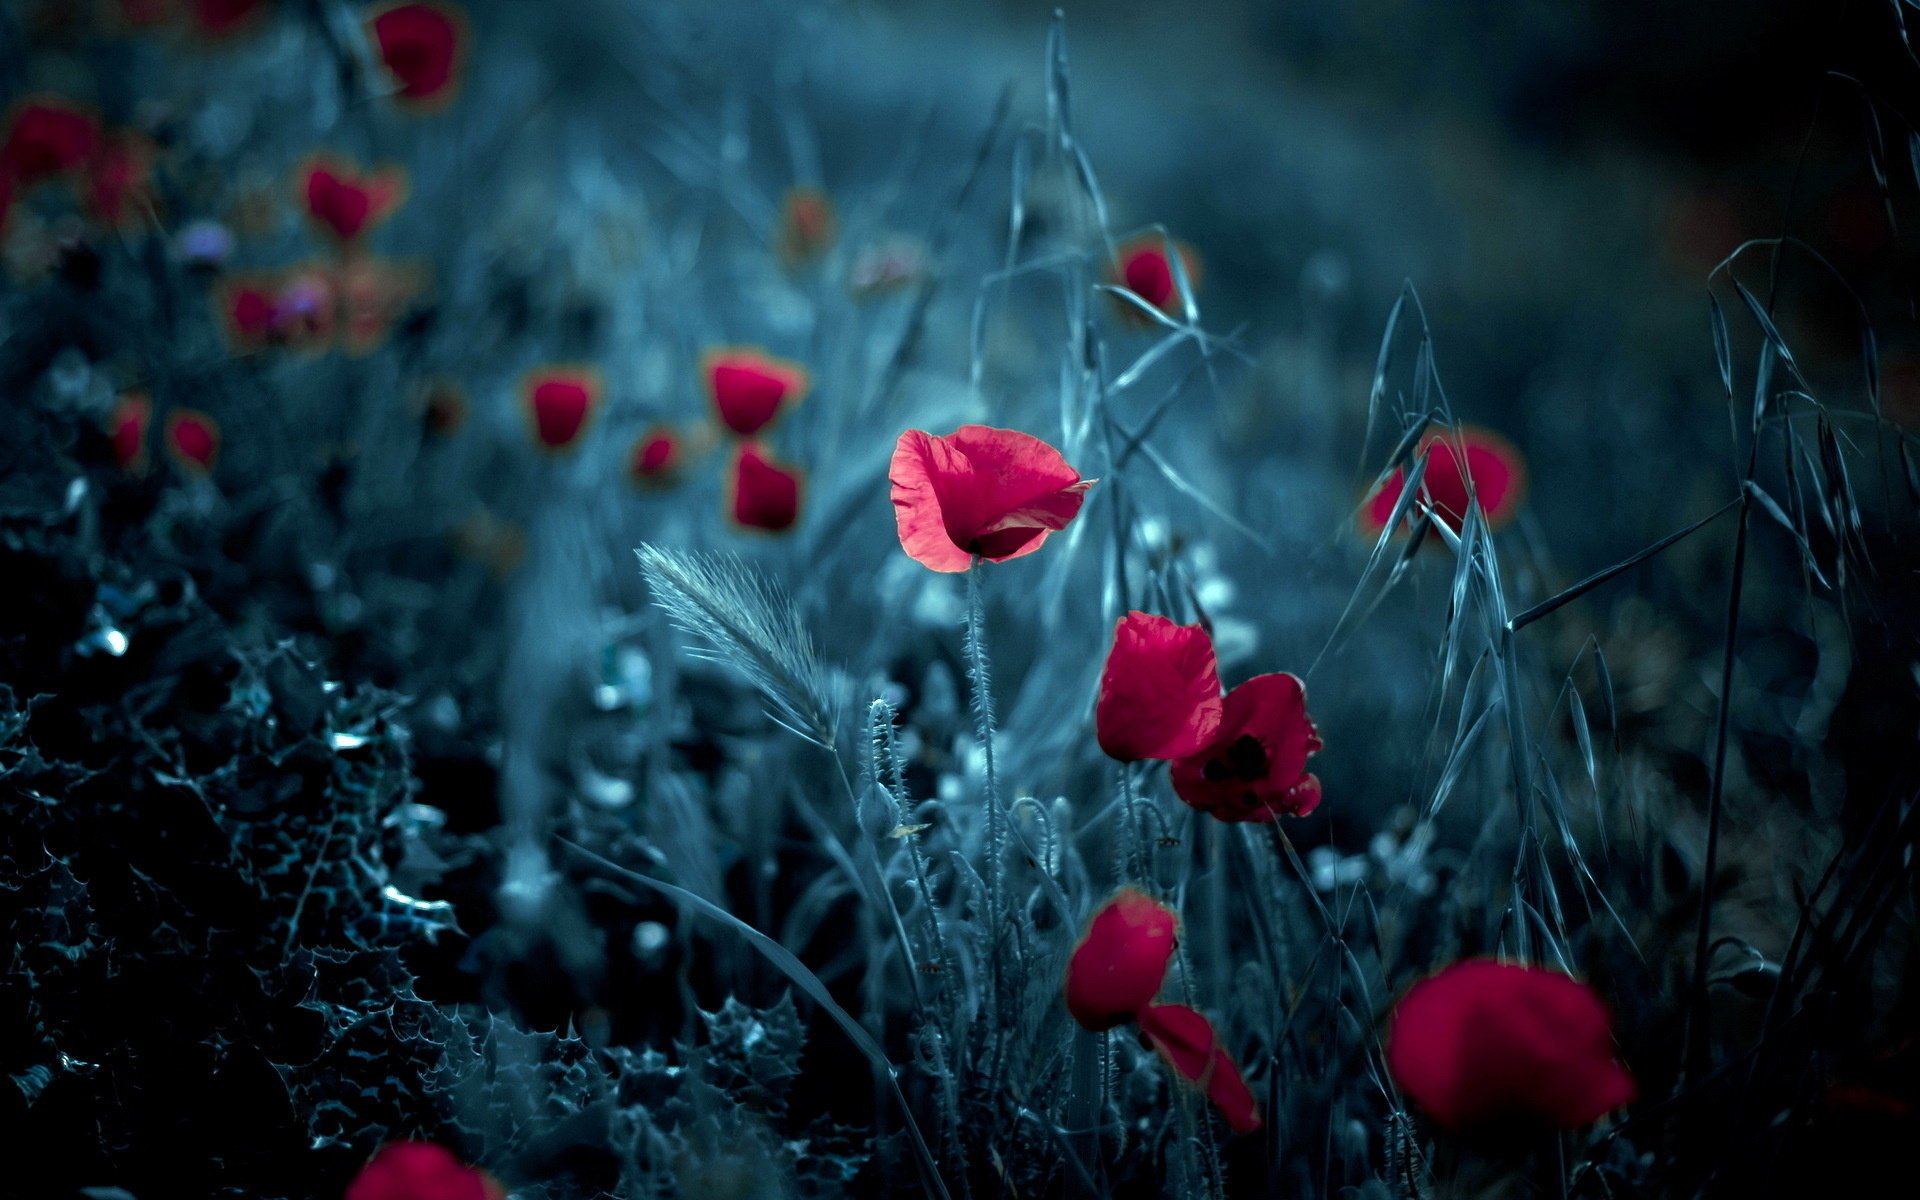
{"type": "Point", "coordinates": [419, 1171]}
{"type": "Point", "coordinates": [249, 312]}
{"type": "Point", "coordinates": [1143, 268]}
{"type": "Point", "coordinates": [1117, 968]}
{"type": "Point", "coordinates": [762, 494]}
{"type": "Point", "coordinates": [47, 138]}
{"type": "Point", "coordinates": [193, 440]}
{"type": "Point", "coordinates": [127, 427]}
{"type": "Point", "coordinates": [979, 491]}
{"type": "Point", "coordinates": [749, 387]}
{"type": "Point", "coordinates": [420, 44]}
{"type": "Point", "coordinates": [1497, 472]}
{"type": "Point", "coordinates": [1485, 1043]}
{"type": "Point", "coordinates": [346, 202]}
{"type": "Point", "coordinates": [1255, 766]}
{"type": "Point", "coordinates": [1186, 1039]}
{"type": "Point", "coordinates": [1160, 691]}
{"type": "Point", "coordinates": [807, 225]}
{"type": "Point", "coordinates": [656, 456]}
{"type": "Point", "coordinates": [560, 401]}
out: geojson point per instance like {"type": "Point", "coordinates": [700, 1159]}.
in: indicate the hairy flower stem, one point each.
{"type": "Point", "coordinates": [979, 680]}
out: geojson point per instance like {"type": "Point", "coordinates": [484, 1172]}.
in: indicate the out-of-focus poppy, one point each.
{"type": "Point", "coordinates": [656, 456]}
{"type": "Point", "coordinates": [807, 225]}
{"type": "Point", "coordinates": [346, 202]}
{"type": "Point", "coordinates": [1186, 1039]}
{"type": "Point", "coordinates": [193, 440]}
{"type": "Point", "coordinates": [443, 407]}
{"type": "Point", "coordinates": [1143, 268]}
{"type": "Point", "coordinates": [762, 493]}
{"type": "Point", "coordinates": [560, 402]}
{"type": "Point", "coordinates": [1255, 766]}
{"type": "Point", "coordinates": [224, 18]}
{"type": "Point", "coordinates": [127, 429]}
{"type": "Point", "coordinates": [46, 138]}
{"type": "Point", "coordinates": [749, 387]}
{"type": "Point", "coordinates": [1495, 468]}
{"type": "Point", "coordinates": [1117, 968]}
{"type": "Point", "coordinates": [994, 493]}
{"type": "Point", "coordinates": [249, 311]}
{"type": "Point", "coordinates": [1160, 690]}
{"type": "Point", "coordinates": [420, 43]}
{"type": "Point", "coordinates": [420, 1171]}
{"type": "Point", "coordinates": [1485, 1044]}
{"type": "Point", "coordinates": [118, 179]}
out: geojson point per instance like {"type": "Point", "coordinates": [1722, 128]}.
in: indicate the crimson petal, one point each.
{"type": "Point", "coordinates": [1187, 1041]}
{"type": "Point", "coordinates": [1117, 968]}
{"type": "Point", "coordinates": [995, 493]}
{"type": "Point", "coordinates": [1160, 691]}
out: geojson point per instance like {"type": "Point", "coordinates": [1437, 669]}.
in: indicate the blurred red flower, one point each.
{"type": "Point", "coordinates": [218, 18]}
{"type": "Point", "coordinates": [1160, 691]}
{"type": "Point", "coordinates": [419, 1171]}
{"type": "Point", "coordinates": [47, 137]}
{"type": "Point", "coordinates": [1494, 466]}
{"type": "Point", "coordinates": [1485, 1043]}
{"type": "Point", "coordinates": [560, 402]}
{"type": "Point", "coordinates": [420, 43]}
{"type": "Point", "coordinates": [763, 494]}
{"type": "Point", "coordinates": [1117, 968]}
{"type": "Point", "coordinates": [1186, 1039]}
{"type": "Point", "coordinates": [249, 310]}
{"type": "Point", "coordinates": [1143, 268]}
{"type": "Point", "coordinates": [344, 201]}
{"type": "Point", "coordinates": [807, 225]}
{"type": "Point", "coordinates": [656, 456]}
{"type": "Point", "coordinates": [193, 440]}
{"type": "Point", "coordinates": [1255, 766]}
{"type": "Point", "coordinates": [117, 178]}
{"type": "Point", "coordinates": [749, 387]}
{"type": "Point", "coordinates": [127, 427]}
{"type": "Point", "coordinates": [994, 493]}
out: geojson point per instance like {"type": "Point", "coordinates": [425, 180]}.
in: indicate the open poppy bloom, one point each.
{"type": "Point", "coordinates": [1186, 1039]}
{"type": "Point", "coordinates": [656, 456]}
{"type": "Point", "coordinates": [47, 138]}
{"type": "Point", "coordinates": [560, 401]}
{"type": "Point", "coordinates": [345, 202]}
{"type": "Point", "coordinates": [749, 388]}
{"type": "Point", "coordinates": [1143, 268]}
{"type": "Point", "coordinates": [806, 225]}
{"type": "Point", "coordinates": [1255, 766]}
{"type": "Point", "coordinates": [1494, 467]}
{"type": "Point", "coordinates": [762, 494]}
{"type": "Point", "coordinates": [1160, 691]}
{"type": "Point", "coordinates": [127, 427]}
{"type": "Point", "coordinates": [1117, 968]}
{"type": "Point", "coordinates": [1485, 1043]}
{"type": "Point", "coordinates": [419, 43]}
{"type": "Point", "coordinates": [420, 1171]}
{"type": "Point", "coordinates": [193, 440]}
{"type": "Point", "coordinates": [979, 491]}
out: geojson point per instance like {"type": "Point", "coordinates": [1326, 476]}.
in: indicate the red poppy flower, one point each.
{"type": "Point", "coordinates": [345, 202]}
{"type": "Point", "coordinates": [1187, 1041]}
{"type": "Point", "coordinates": [420, 44]}
{"type": "Point", "coordinates": [980, 491]}
{"type": "Point", "coordinates": [560, 402]}
{"type": "Point", "coordinates": [1255, 766]}
{"type": "Point", "coordinates": [1160, 692]}
{"type": "Point", "coordinates": [46, 138]}
{"type": "Point", "coordinates": [117, 178]}
{"type": "Point", "coordinates": [1487, 1043]}
{"type": "Point", "coordinates": [1143, 268]}
{"type": "Point", "coordinates": [656, 456]}
{"type": "Point", "coordinates": [806, 225]}
{"type": "Point", "coordinates": [763, 494]}
{"type": "Point", "coordinates": [127, 427]}
{"type": "Point", "coordinates": [419, 1171]}
{"type": "Point", "coordinates": [1117, 968]}
{"type": "Point", "coordinates": [1497, 471]}
{"type": "Point", "coordinates": [219, 18]}
{"type": "Point", "coordinates": [249, 312]}
{"type": "Point", "coordinates": [193, 440]}
{"type": "Point", "coordinates": [749, 387]}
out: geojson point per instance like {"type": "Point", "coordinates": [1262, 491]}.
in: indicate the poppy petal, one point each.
{"type": "Point", "coordinates": [560, 403]}
{"type": "Point", "coordinates": [193, 440]}
{"type": "Point", "coordinates": [418, 1171]}
{"type": "Point", "coordinates": [995, 493]}
{"type": "Point", "coordinates": [46, 138]}
{"type": "Point", "coordinates": [655, 456]}
{"type": "Point", "coordinates": [1117, 968]}
{"type": "Point", "coordinates": [1160, 691]}
{"type": "Point", "coordinates": [1254, 769]}
{"type": "Point", "coordinates": [1495, 467]}
{"type": "Point", "coordinates": [420, 45]}
{"type": "Point", "coordinates": [1186, 1039]}
{"type": "Point", "coordinates": [749, 388]}
{"type": "Point", "coordinates": [763, 494]}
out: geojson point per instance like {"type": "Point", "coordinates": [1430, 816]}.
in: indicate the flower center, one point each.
{"type": "Point", "coordinates": [1245, 759]}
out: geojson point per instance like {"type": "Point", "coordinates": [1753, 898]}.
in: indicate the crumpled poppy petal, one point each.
{"type": "Point", "coordinates": [420, 44]}
{"type": "Point", "coordinates": [419, 1171]}
{"type": "Point", "coordinates": [1484, 1043]}
{"type": "Point", "coordinates": [749, 388]}
{"type": "Point", "coordinates": [995, 493]}
{"type": "Point", "coordinates": [1254, 769]}
{"type": "Point", "coordinates": [1117, 968]}
{"type": "Point", "coordinates": [1187, 1041]}
{"type": "Point", "coordinates": [762, 493]}
{"type": "Point", "coordinates": [560, 403]}
{"type": "Point", "coordinates": [1160, 690]}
